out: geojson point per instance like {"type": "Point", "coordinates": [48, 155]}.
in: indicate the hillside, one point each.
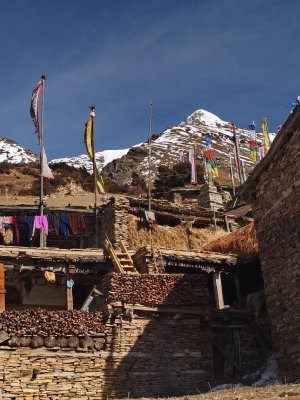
{"type": "Point", "coordinates": [118, 165]}
{"type": "Point", "coordinates": [165, 147]}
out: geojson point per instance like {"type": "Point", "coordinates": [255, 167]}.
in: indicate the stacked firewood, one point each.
{"type": "Point", "coordinates": [160, 289]}
{"type": "Point", "coordinates": [46, 323]}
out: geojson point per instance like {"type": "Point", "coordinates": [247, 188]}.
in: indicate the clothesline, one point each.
{"type": "Point", "coordinates": [63, 224]}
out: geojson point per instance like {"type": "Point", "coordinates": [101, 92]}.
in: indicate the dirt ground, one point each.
{"type": "Point", "coordinates": [271, 392]}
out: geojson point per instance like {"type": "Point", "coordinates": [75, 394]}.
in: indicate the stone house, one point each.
{"type": "Point", "coordinates": [273, 189]}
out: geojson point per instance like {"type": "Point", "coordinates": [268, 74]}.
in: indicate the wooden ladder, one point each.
{"type": "Point", "coordinates": [121, 259]}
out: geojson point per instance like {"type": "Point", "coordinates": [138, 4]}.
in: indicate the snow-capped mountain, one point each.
{"type": "Point", "coordinates": [165, 147]}
{"type": "Point", "coordinates": [83, 160]}
{"type": "Point", "coordinates": [119, 164]}
{"type": "Point", "coordinates": [13, 153]}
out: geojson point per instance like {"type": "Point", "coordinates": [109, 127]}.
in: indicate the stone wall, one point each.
{"type": "Point", "coordinates": [114, 221]}
{"type": "Point", "coordinates": [275, 195]}
{"type": "Point", "coordinates": [209, 197]}
{"type": "Point", "coordinates": [144, 356]}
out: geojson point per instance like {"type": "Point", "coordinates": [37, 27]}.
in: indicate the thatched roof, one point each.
{"type": "Point", "coordinates": [242, 242]}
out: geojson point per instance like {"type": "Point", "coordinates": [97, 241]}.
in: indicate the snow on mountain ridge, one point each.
{"type": "Point", "coordinates": [83, 161]}
{"type": "Point", "coordinates": [13, 153]}
{"type": "Point", "coordinates": [206, 118]}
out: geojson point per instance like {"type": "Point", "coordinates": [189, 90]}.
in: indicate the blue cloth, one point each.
{"type": "Point", "coordinates": [64, 226]}
{"type": "Point", "coordinates": [26, 221]}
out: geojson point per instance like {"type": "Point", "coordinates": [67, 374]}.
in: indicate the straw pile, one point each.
{"type": "Point", "coordinates": [242, 242]}
{"type": "Point", "coordinates": [176, 237]}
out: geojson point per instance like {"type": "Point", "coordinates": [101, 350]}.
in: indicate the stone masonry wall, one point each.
{"type": "Point", "coordinates": [114, 221]}
{"type": "Point", "coordinates": [277, 220]}
{"type": "Point", "coordinates": [144, 356]}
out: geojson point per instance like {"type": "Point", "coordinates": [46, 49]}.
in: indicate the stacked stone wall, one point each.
{"type": "Point", "coordinates": [114, 221]}
{"type": "Point", "coordinates": [277, 221]}
{"type": "Point", "coordinates": [144, 356]}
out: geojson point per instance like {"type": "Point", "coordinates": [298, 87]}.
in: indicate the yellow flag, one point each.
{"type": "Point", "coordinates": [89, 143]}
{"type": "Point", "coordinates": [215, 172]}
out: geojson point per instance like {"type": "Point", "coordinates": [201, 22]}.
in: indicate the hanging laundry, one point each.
{"type": "Point", "coordinates": [28, 222]}
{"type": "Point", "coordinates": [76, 223]}
{"type": "Point", "coordinates": [64, 226]}
{"type": "Point", "coordinates": [9, 236]}
{"type": "Point", "coordinates": [53, 222]}
{"type": "Point", "coordinates": [5, 221]}
{"type": "Point", "coordinates": [40, 221]}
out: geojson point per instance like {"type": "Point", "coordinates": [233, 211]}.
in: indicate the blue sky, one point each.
{"type": "Point", "coordinates": [236, 58]}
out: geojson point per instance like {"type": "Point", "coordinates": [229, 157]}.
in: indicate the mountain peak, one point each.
{"type": "Point", "coordinates": [205, 118]}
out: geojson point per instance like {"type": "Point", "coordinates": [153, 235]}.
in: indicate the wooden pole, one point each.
{"type": "Point", "coordinates": [150, 166]}
{"type": "Point", "coordinates": [92, 108]}
{"type": "Point", "coordinates": [42, 231]}
{"type": "Point", "coordinates": [231, 173]}
{"type": "Point", "coordinates": [2, 288]}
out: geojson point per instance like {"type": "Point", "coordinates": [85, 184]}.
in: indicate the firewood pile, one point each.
{"type": "Point", "coordinates": [46, 323]}
{"type": "Point", "coordinates": [153, 290]}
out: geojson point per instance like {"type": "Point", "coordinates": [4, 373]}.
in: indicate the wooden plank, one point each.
{"type": "Point", "coordinates": [218, 290]}
{"type": "Point", "coordinates": [228, 358]}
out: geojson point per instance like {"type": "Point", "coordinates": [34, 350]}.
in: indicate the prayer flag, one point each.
{"type": "Point", "coordinates": [46, 171]}
{"type": "Point", "coordinates": [237, 153]}
{"type": "Point", "coordinates": [181, 156]}
{"type": "Point", "coordinates": [89, 143]}
{"type": "Point", "coordinates": [261, 152]}
{"type": "Point", "coordinates": [34, 106]}
{"type": "Point", "coordinates": [253, 143]}
{"type": "Point", "coordinates": [34, 112]}
{"type": "Point", "coordinates": [192, 160]}
{"type": "Point", "coordinates": [266, 138]}
{"type": "Point", "coordinates": [211, 162]}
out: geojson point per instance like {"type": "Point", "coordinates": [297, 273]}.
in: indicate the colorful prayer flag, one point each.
{"type": "Point", "coordinates": [253, 142]}
{"type": "Point", "coordinates": [89, 143]}
{"type": "Point", "coordinates": [211, 162]}
{"type": "Point", "coordinates": [192, 160]}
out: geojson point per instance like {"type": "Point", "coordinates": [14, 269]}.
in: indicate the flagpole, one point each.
{"type": "Point", "coordinates": [237, 153]}
{"type": "Point", "coordinates": [231, 173]}
{"type": "Point", "coordinates": [92, 108]}
{"type": "Point", "coordinates": [149, 166]}
{"type": "Point", "coordinates": [42, 233]}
